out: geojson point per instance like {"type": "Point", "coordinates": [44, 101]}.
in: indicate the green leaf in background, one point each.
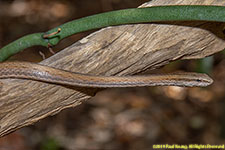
{"type": "Point", "coordinates": [205, 65]}
{"type": "Point", "coordinates": [50, 144]}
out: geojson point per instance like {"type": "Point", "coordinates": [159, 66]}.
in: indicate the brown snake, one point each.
{"type": "Point", "coordinates": [25, 70]}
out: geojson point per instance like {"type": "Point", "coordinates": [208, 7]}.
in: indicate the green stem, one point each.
{"type": "Point", "coordinates": [22, 43]}
{"type": "Point", "coordinates": [126, 16]}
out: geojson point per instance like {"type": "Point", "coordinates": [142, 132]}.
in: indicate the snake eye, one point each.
{"type": "Point", "coordinates": [198, 80]}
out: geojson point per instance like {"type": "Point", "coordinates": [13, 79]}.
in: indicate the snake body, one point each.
{"type": "Point", "coordinates": [25, 70]}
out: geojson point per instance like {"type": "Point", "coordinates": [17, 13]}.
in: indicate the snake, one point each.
{"type": "Point", "coordinates": [32, 71]}
{"type": "Point", "coordinates": [27, 70]}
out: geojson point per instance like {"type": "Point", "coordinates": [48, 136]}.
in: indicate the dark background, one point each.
{"type": "Point", "coordinates": [132, 118]}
